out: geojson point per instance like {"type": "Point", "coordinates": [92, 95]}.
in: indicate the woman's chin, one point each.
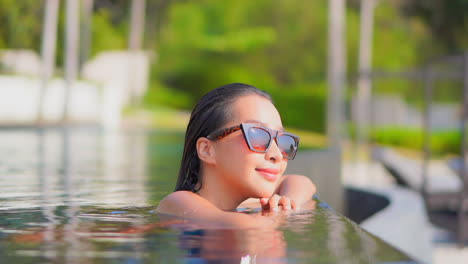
{"type": "Point", "coordinates": [262, 189]}
{"type": "Point", "coordinates": [266, 193]}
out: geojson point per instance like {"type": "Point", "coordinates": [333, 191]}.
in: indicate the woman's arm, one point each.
{"type": "Point", "coordinates": [298, 188]}
{"type": "Point", "coordinates": [191, 206]}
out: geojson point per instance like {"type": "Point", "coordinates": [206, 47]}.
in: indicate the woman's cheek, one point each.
{"type": "Point", "coordinates": [284, 166]}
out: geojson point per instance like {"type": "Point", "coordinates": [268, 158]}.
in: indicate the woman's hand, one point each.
{"type": "Point", "coordinates": [277, 203]}
{"type": "Point", "coordinates": [296, 187]}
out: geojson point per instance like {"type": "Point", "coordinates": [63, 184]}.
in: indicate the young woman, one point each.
{"type": "Point", "coordinates": [236, 149]}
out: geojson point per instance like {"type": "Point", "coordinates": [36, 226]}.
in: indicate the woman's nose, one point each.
{"type": "Point", "coordinates": [274, 153]}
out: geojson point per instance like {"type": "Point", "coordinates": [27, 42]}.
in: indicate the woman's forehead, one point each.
{"type": "Point", "coordinates": [255, 109]}
{"type": "Point", "coordinates": [258, 122]}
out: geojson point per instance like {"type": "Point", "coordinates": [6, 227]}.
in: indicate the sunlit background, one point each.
{"type": "Point", "coordinates": [376, 89]}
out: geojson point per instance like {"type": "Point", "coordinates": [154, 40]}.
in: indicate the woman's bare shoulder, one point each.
{"type": "Point", "coordinates": [182, 203]}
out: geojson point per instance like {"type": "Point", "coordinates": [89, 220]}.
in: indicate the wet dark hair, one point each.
{"type": "Point", "coordinates": [211, 113]}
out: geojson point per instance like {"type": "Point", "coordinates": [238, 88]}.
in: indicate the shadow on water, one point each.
{"type": "Point", "coordinates": [87, 196]}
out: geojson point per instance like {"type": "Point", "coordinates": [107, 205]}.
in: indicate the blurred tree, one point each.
{"type": "Point", "coordinates": [107, 34]}
{"type": "Point", "coordinates": [21, 25]}
{"type": "Point", "coordinates": [399, 43]}
{"type": "Point", "coordinates": [279, 46]}
{"type": "Point", "coordinates": [208, 43]}
{"type": "Point", "coordinates": [447, 21]}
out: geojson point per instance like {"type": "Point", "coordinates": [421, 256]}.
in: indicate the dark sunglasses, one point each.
{"type": "Point", "coordinates": [258, 138]}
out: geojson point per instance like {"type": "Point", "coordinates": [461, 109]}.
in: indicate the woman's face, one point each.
{"type": "Point", "coordinates": [253, 174]}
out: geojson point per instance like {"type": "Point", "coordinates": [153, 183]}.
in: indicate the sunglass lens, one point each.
{"type": "Point", "coordinates": [287, 145]}
{"type": "Point", "coordinates": [259, 139]}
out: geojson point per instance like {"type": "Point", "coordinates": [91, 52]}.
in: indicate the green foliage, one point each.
{"type": "Point", "coordinates": [303, 107]}
{"type": "Point", "coordinates": [200, 50]}
{"type": "Point", "coordinates": [243, 40]}
{"type": "Point", "coordinates": [397, 42]}
{"type": "Point", "coordinates": [19, 24]}
{"type": "Point", "coordinates": [105, 34]}
{"type": "Point", "coordinates": [441, 142]}
{"type": "Point", "coordinates": [446, 20]}
{"type": "Point", "coordinates": [411, 90]}
{"type": "Point", "coordinates": [163, 96]}
{"type": "Point", "coordinates": [278, 46]}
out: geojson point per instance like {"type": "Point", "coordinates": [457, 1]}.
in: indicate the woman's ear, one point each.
{"type": "Point", "coordinates": [205, 150]}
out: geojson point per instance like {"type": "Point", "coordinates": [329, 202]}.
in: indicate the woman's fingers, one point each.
{"type": "Point", "coordinates": [276, 202]}
{"type": "Point", "coordinates": [285, 202]}
{"type": "Point", "coordinates": [294, 205]}
{"type": "Point", "coordinates": [273, 202]}
{"type": "Point", "coordinates": [264, 203]}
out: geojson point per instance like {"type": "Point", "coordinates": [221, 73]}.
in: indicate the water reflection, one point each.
{"type": "Point", "coordinates": [69, 169]}
{"type": "Point", "coordinates": [73, 167]}
{"type": "Point", "coordinates": [138, 235]}
{"type": "Point", "coordinates": [237, 246]}
{"type": "Point", "coordinates": [87, 196]}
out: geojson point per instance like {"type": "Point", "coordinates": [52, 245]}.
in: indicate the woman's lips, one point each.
{"type": "Point", "coordinates": [269, 174]}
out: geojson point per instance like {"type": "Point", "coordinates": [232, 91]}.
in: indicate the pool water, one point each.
{"type": "Point", "coordinates": [83, 195]}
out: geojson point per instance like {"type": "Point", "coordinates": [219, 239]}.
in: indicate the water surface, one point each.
{"type": "Point", "coordinates": [83, 195]}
